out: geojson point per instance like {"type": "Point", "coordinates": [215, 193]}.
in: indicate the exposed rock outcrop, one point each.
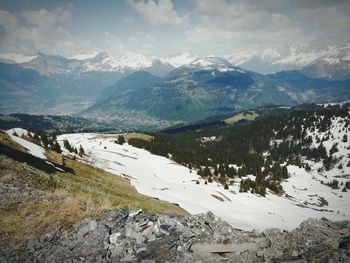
{"type": "Point", "coordinates": [137, 236]}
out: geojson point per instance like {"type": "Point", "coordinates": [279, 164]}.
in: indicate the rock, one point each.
{"type": "Point", "coordinates": [263, 242]}
{"type": "Point", "coordinates": [135, 213]}
{"type": "Point", "coordinates": [295, 253]}
{"type": "Point", "coordinates": [137, 236]}
{"type": "Point", "coordinates": [113, 239]}
{"type": "Point", "coordinates": [345, 244]}
{"type": "Point", "coordinates": [222, 248]}
{"type": "Point", "coordinates": [92, 225]}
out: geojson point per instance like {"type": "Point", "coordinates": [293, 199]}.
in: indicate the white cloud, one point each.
{"type": "Point", "coordinates": [159, 13]}
{"type": "Point", "coordinates": [199, 26]}
{"type": "Point", "coordinates": [253, 24]}
{"type": "Point", "coordinates": [47, 18]}
{"type": "Point", "coordinates": [203, 34]}
{"type": "Point", "coordinates": [128, 20]}
{"type": "Point", "coordinates": [114, 44]}
{"type": "Point", "coordinates": [34, 31]}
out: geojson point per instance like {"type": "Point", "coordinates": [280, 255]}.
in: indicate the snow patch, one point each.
{"type": "Point", "coordinates": [32, 148]}
{"type": "Point", "coordinates": [162, 178]}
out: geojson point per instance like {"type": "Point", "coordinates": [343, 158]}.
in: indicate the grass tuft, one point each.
{"type": "Point", "coordinates": [36, 203]}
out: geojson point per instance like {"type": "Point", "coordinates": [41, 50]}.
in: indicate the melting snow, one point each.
{"type": "Point", "coordinates": [162, 178]}
{"type": "Point", "coordinates": [33, 149]}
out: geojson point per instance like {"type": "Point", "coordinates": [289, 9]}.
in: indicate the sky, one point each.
{"type": "Point", "coordinates": [162, 27]}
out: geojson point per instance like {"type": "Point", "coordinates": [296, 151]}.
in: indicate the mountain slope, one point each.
{"type": "Point", "coordinates": [311, 89]}
{"type": "Point", "coordinates": [26, 90]}
{"type": "Point", "coordinates": [301, 157]}
{"type": "Point", "coordinates": [205, 87]}
{"type": "Point", "coordinates": [338, 69]}
{"type": "Point", "coordinates": [37, 198]}
{"type": "Point", "coordinates": [88, 62]}
{"type": "Point", "coordinates": [324, 58]}
{"type": "Point", "coordinates": [273, 172]}
{"type": "Point", "coordinates": [57, 85]}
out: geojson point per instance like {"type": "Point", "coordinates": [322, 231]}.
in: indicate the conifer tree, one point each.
{"type": "Point", "coordinates": [121, 139]}
{"type": "Point", "coordinates": [81, 151]}
{"type": "Point", "coordinates": [56, 147]}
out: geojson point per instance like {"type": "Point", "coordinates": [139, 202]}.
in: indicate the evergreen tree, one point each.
{"type": "Point", "coordinates": [29, 134]}
{"type": "Point", "coordinates": [121, 139]}
{"type": "Point", "coordinates": [307, 167]}
{"type": "Point", "coordinates": [345, 138]}
{"type": "Point", "coordinates": [36, 139]}
{"type": "Point", "coordinates": [44, 140]}
{"type": "Point", "coordinates": [56, 147]}
{"type": "Point", "coordinates": [334, 149]}
{"type": "Point", "coordinates": [206, 172]}
{"type": "Point", "coordinates": [67, 145]}
{"type": "Point", "coordinates": [81, 151]}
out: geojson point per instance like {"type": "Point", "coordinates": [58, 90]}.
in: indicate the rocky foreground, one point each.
{"type": "Point", "coordinates": [137, 236]}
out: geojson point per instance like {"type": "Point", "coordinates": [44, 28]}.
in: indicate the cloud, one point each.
{"type": "Point", "coordinates": [34, 31]}
{"type": "Point", "coordinates": [114, 44]}
{"type": "Point", "coordinates": [128, 20]}
{"type": "Point", "coordinates": [159, 13]}
{"type": "Point", "coordinates": [199, 26]}
{"type": "Point", "coordinates": [47, 18]}
{"type": "Point", "coordinates": [243, 24]}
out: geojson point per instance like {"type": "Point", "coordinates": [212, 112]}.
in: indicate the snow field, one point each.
{"type": "Point", "coordinates": [162, 178]}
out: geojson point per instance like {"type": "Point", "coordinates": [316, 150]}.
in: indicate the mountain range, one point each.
{"type": "Point", "coordinates": [327, 58]}
{"type": "Point", "coordinates": [136, 91]}
{"type": "Point", "coordinates": [324, 58]}
{"type": "Point", "coordinates": [206, 87]}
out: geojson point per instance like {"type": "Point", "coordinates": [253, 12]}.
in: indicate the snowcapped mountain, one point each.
{"type": "Point", "coordinates": [210, 62]}
{"type": "Point", "coordinates": [85, 55]}
{"type": "Point", "coordinates": [15, 58]}
{"type": "Point", "coordinates": [207, 86]}
{"type": "Point", "coordinates": [325, 58]}
{"type": "Point", "coordinates": [101, 62]}
{"type": "Point", "coordinates": [322, 58]}
{"type": "Point", "coordinates": [88, 62]}
{"type": "Point", "coordinates": [129, 62]}
{"type": "Point", "coordinates": [179, 59]}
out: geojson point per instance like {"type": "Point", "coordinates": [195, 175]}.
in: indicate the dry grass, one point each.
{"type": "Point", "coordinates": [142, 136]}
{"type": "Point", "coordinates": [44, 202]}
{"type": "Point", "coordinates": [100, 186]}
{"type": "Point", "coordinates": [5, 139]}
{"type": "Point", "coordinates": [249, 116]}
{"type": "Point", "coordinates": [54, 157]}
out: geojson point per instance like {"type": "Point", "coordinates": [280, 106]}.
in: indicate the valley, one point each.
{"type": "Point", "coordinates": [141, 93]}
{"type": "Point", "coordinates": [168, 131]}
{"type": "Point", "coordinates": [266, 180]}
{"type": "Point", "coordinates": [91, 174]}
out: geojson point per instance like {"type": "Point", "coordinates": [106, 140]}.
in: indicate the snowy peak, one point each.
{"type": "Point", "coordinates": [179, 59]}
{"type": "Point", "coordinates": [85, 55]}
{"type": "Point", "coordinates": [101, 61]}
{"type": "Point", "coordinates": [210, 62]}
{"type": "Point", "coordinates": [14, 58]}
{"type": "Point", "coordinates": [88, 62]}
{"type": "Point", "coordinates": [132, 62]}
{"type": "Point", "coordinates": [325, 58]}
